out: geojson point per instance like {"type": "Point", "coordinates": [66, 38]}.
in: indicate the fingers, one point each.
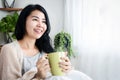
{"type": "Point", "coordinates": [65, 68]}
{"type": "Point", "coordinates": [66, 59]}
{"type": "Point", "coordinates": [65, 64]}
{"type": "Point", "coordinates": [43, 58]}
{"type": "Point", "coordinates": [66, 53]}
{"type": "Point", "coordinates": [43, 66]}
{"type": "Point", "coordinates": [43, 69]}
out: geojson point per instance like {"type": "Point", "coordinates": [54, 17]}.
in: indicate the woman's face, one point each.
{"type": "Point", "coordinates": [35, 24]}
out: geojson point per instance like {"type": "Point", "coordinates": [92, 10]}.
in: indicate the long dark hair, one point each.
{"type": "Point", "coordinates": [44, 42]}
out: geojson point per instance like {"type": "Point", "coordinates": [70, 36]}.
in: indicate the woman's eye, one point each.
{"type": "Point", "coordinates": [35, 20]}
{"type": "Point", "coordinates": [44, 22]}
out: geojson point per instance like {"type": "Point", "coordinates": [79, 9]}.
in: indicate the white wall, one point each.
{"type": "Point", "coordinates": [53, 7]}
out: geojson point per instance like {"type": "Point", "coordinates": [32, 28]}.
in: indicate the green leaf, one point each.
{"type": "Point", "coordinates": [63, 42]}
{"type": "Point", "coordinates": [7, 23]}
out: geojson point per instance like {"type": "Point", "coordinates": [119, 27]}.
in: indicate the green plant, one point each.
{"type": "Point", "coordinates": [7, 23]}
{"type": "Point", "coordinates": [63, 42]}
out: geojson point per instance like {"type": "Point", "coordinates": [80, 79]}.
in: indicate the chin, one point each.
{"type": "Point", "coordinates": [37, 37]}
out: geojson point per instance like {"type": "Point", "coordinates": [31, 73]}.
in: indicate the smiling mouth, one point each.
{"type": "Point", "coordinates": [38, 31]}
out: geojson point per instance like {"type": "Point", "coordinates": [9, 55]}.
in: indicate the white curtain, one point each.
{"type": "Point", "coordinates": [95, 29]}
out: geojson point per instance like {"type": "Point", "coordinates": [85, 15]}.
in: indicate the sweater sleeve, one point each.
{"type": "Point", "coordinates": [11, 66]}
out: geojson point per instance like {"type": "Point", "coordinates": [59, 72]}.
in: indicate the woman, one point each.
{"type": "Point", "coordinates": [24, 59]}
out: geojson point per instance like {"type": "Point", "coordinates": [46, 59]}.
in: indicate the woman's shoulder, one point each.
{"type": "Point", "coordinates": [11, 49]}
{"type": "Point", "coordinates": [10, 45]}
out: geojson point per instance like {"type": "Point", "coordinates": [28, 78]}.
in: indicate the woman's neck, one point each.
{"type": "Point", "coordinates": [27, 43]}
{"type": "Point", "coordinates": [28, 46]}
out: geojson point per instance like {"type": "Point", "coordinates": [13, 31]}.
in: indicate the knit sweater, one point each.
{"type": "Point", "coordinates": [11, 58]}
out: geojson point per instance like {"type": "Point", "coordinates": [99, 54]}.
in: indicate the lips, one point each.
{"type": "Point", "coordinates": [40, 30]}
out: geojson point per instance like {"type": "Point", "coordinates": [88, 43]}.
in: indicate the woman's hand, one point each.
{"type": "Point", "coordinates": [65, 64]}
{"type": "Point", "coordinates": [43, 67]}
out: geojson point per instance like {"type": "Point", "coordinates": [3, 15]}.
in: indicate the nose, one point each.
{"type": "Point", "coordinates": [40, 24]}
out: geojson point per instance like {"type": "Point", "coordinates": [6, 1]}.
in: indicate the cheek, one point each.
{"type": "Point", "coordinates": [29, 28]}
{"type": "Point", "coordinates": [30, 24]}
{"type": "Point", "coordinates": [45, 28]}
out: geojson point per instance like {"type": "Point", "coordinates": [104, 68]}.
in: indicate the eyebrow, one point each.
{"type": "Point", "coordinates": [38, 17]}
